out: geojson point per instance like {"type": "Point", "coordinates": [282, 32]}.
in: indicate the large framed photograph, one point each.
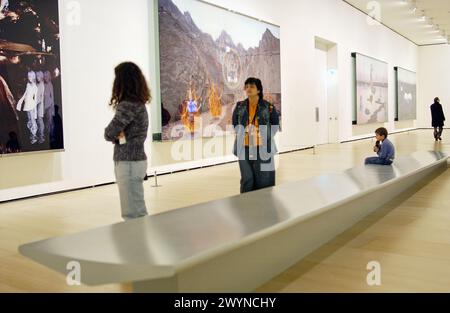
{"type": "Point", "coordinates": [30, 77]}
{"type": "Point", "coordinates": [406, 94]}
{"type": "Point", "coordinates": [371, 90]}
{"type": "Point", "coordinates": [206, 54]}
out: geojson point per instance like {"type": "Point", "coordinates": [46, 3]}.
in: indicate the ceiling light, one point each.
{"type": "Point", "coordinates": [422, 16]}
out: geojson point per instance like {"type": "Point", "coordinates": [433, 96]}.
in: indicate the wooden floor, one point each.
{"type": "Point", "coordinates": [409, 237]}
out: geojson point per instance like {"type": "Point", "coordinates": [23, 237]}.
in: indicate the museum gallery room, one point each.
{"type": "Point", "coordinates": [224, 146]}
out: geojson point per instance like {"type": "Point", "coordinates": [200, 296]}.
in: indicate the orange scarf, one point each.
{"type": "Point", "coordinates": [252, 127]}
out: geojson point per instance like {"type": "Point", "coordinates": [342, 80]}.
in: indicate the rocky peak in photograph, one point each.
{"type": "Point", "coordinates": [191, 58]}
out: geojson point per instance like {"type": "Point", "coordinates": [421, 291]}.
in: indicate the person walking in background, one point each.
{"type": "Point", "coordinates": [437, 118]}
{"type": "Point", "coordinates": [128, 132]}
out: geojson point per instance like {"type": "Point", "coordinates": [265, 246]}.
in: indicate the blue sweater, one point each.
{"type": "Point", "coordinates": [387, 150]}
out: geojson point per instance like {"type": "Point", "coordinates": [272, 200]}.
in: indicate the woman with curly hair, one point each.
{"type": "Point", "coordinates": [128, 132]}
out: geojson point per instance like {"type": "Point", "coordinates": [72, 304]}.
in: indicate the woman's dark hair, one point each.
{"type": "Point", "coordinates": [382, 132]}
{"type": "Point", "coordinates": [129, 85]}
{"type": "Point", "coordinates": [436, 99]}
{"type": "Point", "coordinates": [257, 82]}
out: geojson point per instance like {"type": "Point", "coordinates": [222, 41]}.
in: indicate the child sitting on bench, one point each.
{"type": "Point", "coordinates": [384, 148]}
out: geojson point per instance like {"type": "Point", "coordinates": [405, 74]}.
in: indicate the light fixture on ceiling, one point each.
{"type": "Point", "coordinates": [422, 16]}
{"type": "Point", "coordinates": [413, 7]}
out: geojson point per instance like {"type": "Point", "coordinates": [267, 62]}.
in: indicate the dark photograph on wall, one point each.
{"type": "Point", "coordinates": [206, 54]}
{"type": "Point", "coordinates": [30, 77]}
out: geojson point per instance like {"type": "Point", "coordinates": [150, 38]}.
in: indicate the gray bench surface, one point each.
{"type": "Point", "coordinates": [159, 246]}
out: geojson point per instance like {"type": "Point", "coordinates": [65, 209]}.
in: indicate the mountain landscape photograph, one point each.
{"type": "Point", "coordinates": [206, 54]}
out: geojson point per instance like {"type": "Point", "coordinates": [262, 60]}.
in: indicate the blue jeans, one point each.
{"type": "Point", "coordinates": [378, 161]}
{"type": "Point", "coordinates": [255, 173]}
{"type": "Point", "coordinates": [130, 179]}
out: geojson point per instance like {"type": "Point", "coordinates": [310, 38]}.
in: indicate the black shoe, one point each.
{"type": "Point", "coordinates": [440, 138]}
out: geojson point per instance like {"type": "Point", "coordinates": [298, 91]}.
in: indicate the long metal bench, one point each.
{"type": "Point", "coordinates": [234, 244]}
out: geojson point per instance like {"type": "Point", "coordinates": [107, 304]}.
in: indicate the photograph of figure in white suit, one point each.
{"type": "Point", "coordinates": [30, 71]}
{"type": "Point", "coordinates": [28, 104]}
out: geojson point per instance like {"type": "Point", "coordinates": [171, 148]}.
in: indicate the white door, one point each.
{"type": "Point", "coordinates": [333, 117]}
{"type": "Point", "coordinates": [321, 97]}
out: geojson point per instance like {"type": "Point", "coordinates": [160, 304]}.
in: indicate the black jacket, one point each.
{"type": "Point", "coordinates": [269, 124]}
{"type": "Point", "coordinates": [437, 115]}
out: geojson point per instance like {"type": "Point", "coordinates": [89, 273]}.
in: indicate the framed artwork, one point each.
{"type": "Point", "coordinates": [30, 77]}
{"type": "Point", "coordinates": [406, 94]}
{"type": "Point", "coordinates": [371, 90]}
{"type": "Point", "coordinates": [206, 54]}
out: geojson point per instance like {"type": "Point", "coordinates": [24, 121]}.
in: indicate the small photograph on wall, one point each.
{"type": "Point", "coordinates": [206, 54]}
{"type": "Point", "coordinates": [406, 95]}
{"type": "Point", "coordinates": [371, 90]}
{"type": "Point", "coordinates": [30, 77]}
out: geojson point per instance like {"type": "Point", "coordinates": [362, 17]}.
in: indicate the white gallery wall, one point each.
{"type": "Point", "coordinates": [434, 78]}
{"type": "Point", "coordinates": [110, 31]}
{"type": "Point", "coordinates": [95, 37]}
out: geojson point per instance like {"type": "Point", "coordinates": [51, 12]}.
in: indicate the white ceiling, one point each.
{"type": "Point", "coordinates": [428, 24]}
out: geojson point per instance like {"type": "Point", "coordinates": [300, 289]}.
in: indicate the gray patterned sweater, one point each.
{"type": "Point", "coordinates": [132, 118]}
